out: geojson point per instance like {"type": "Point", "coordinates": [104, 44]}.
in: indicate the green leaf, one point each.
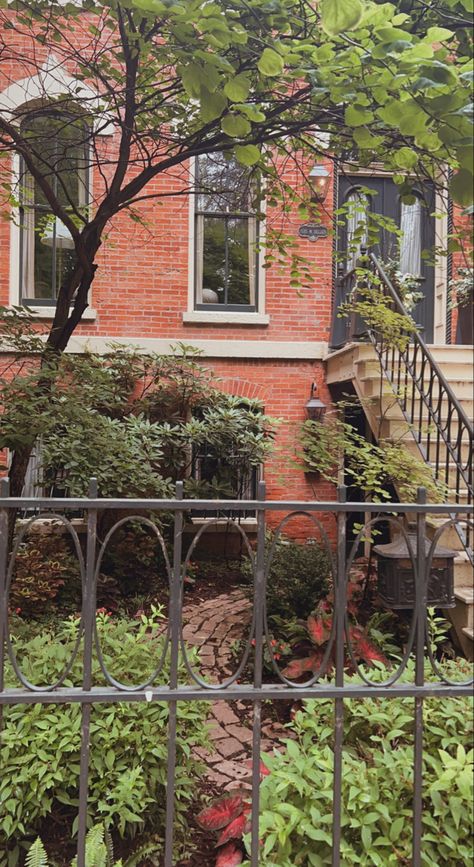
{"type": "Point", "coordinates": [247, 155]}
{"type": "Point", "coordinates": [235, 126]}
{"type": "Point", "coordinates": [356, 116]}
{"type": "Point", "coordinates": [237, 89]}
{"type": "Point", "coordinates": [212, 105]}
{"type": "Point", "coordinates": [461, 188]}
{"type": "Point", "coordinates": [340, 15]}
{"type": "Point", "coordinates": [270, 63]}
{"type": "Point", "coordinates": [406, 158]}
{"type": "Point", "coordinates": [439, 34]}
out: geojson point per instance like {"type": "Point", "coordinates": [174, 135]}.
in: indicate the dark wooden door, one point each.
{"type": "Point", "coordinates": [410, 250]}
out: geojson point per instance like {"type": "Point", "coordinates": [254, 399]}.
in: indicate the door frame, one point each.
{"type": "Point", "coordinates": [441, 266]}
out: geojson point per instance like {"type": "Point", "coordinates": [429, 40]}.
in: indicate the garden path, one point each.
{"type": "Point", "coordinates": [213, 626]}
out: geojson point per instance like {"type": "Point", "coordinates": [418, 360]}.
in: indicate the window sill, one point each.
{"type": "Point", "coordinates": [49, 312]}
{"type": "Point", "coordinates": [215, 317]}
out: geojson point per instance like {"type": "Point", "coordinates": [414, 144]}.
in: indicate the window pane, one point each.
{"type": "Point", "coordinates": [410, 241]}
{"type": "Point", "coordinates": [224, 185]}
{"type": "Point", "coordinates": [213, 265]}
{"type": "Point", "coordinates": [58, 143]}
{"type": "Point", "coordinates": [356, 227]}
{"type": "Point", "coordinates": [238, 277]}
{"type": "Point", "coordinates": [43, 266]}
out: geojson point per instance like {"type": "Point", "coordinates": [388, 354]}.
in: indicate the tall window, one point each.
{"type": "Point", "coordinates": [58, 144]}
{"type": "Point", "coordinates": [226, 236]}
{"type": "Point", "coordinates": [410, 241]}
{"type": "Point", "coordinates": [358, 206]}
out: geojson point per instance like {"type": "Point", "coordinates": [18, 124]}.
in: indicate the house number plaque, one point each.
{"type": "Point", "coordinates": [312, 231]}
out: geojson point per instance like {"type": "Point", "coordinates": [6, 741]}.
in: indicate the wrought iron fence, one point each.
{"type": "Point", "coordinates": [231, 688]}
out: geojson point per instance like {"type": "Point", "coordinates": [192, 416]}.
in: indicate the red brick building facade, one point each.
{"type": "Point", "coordinates": [144, 294]}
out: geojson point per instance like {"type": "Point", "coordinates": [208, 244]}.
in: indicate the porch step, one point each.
{"type": "Point", "coordinates": [358, 363]}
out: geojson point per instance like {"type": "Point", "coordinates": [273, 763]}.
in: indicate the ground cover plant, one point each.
{"type": "Point", "coordinates": [40, 748]}
{"type": "Point", "coordinates": [377, 792]}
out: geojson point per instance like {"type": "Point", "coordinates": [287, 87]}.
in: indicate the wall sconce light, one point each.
{"type": "Point", "coordinates": [315, 408]}
{"type": "Point", "coordinates": [320, 179]}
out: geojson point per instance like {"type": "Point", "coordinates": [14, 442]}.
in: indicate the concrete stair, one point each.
{"type": "Point", "coordinates": [358, 364]}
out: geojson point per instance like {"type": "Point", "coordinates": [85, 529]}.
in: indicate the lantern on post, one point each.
{"type": "Point", "coordinates": [315, 408]}
{"type": "Point", "coordinates": [396, 580]}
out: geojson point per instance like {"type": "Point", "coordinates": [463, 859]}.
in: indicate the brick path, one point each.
{"type": "Point", "coordinates": [213, 626]}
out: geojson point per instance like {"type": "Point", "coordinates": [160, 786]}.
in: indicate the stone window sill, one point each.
{"type": "Point", "coordinates": [215, 317]}
{"type": "Point", "coordinates": [49, 313]}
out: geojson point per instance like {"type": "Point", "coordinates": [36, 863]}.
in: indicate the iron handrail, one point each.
{"type": "Point", "coordinates": [419, 340]}
{"type": "Point", "coordinates": [415, 363]}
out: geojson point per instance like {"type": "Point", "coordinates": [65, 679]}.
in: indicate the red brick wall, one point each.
{"type": "Point", "coordinates": [141, 291]}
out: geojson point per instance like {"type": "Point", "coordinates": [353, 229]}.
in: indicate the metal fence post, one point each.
{"type": "Point", "coordinates": [421, 589]}
{"type": "Point", "coordinates": [175, 626]}
{"type": "Point", "coordinates": [88, 616]}
{"type": "Point", "coordinates": [4, 493]}
{"type": "Point", "coordinates": [259, 600]}
{"type": "Point", "coordinates": [339, 613]}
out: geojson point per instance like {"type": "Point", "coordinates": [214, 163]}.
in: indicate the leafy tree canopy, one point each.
{"type": "Point", "coordinates": [362, 80]}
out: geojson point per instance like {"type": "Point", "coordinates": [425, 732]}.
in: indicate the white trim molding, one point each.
{"type": "Point", "coordinates": [49, 313]}
{"type": "Point", "coordinates": [216, 317]}
{"type": "Point", "coordinates": [52, 82]}
{"type": "Point", "coordinates": [245, 349]}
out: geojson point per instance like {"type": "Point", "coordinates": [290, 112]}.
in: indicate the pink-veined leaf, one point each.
{"type": "Point", "coordinates": [229, 856]}
{"type": "Point", "coordinates": [318, 629]}
{"type": "Point", "coordinates": [364, 648]}
{"type": "Point", "coordinates": [235, 829]}
{"type": "Point", "coordinates": [298, 667]}
{"type": "Point", "coordinates": [264, 772]}
{"type": "Point", "coordinates": [220, 813]}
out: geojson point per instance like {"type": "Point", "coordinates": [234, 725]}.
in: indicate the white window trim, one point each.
{"type": "Point", "coordinates": [51, 81]}
{"type": "Point", "coordinates": [224, 317]}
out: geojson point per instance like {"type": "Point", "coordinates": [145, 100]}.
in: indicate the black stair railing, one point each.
{"type": "Point", "coordinates": [436, 418]}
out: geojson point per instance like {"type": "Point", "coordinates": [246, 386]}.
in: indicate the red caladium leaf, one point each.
{"type": "Point", "coordinates": [235, 829]}
{"type": "Point", "coordinates": [318, 629]}
{"type": "Point", "coordinates": [264, 772]}
{"type": "Point", "coordinates": [229, 856]}
{"type": "Point", "coordinates": [220, 813]}
{"type": "Point", "coordinates": [298, 667]}
{"type": "Point", "coordinates": [364, 648]}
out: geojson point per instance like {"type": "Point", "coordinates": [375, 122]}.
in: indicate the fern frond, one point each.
{"type": "Point", "coordinates": [96, 849]}
{"type": "Point", "coordinates": [36, 856]}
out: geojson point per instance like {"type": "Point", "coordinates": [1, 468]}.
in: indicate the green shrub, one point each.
{"type": "Point", "coordinates": [297, 580]}
{"type": "Point", "coordinates": [45, 571]}
{"type": "Point", "coordinates": [296, 799]}
{"type": "Point", "coordinates": [40, 749]}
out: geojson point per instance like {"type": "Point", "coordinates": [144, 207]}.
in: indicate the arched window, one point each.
{"type": "Point", "coordinates": [57, 142]}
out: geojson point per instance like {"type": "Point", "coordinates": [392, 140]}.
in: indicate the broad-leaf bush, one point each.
{"type": "Point", "coordinates": [298, 578]}
{"type": "Point", "coordinates": [377, 785]}
{"type": "Point", "coordinates": [40, 746]}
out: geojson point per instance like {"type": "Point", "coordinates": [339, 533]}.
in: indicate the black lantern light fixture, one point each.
{"type": "Point", "coordinates": [396, 581]}
{"type": "Point", "coordinates": [315, 408]}
{"type": "Point", "coordinates": [320, 179]}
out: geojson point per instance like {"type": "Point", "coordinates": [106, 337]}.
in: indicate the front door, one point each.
{"type": "Point", "coordinates": [410, 250]}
